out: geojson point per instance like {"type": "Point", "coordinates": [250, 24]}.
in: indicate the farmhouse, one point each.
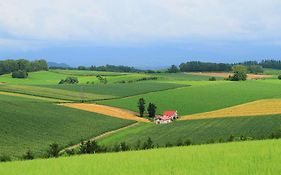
{"type": "Point", "coordinates": [167, 117]}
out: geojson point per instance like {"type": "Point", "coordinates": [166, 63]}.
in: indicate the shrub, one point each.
{"type": "Point", "coordinates": [28, 155]}
{"type": "Point", "coordinates": [240, 73]}
{"type": "Point", "coordinates": [279, 77]}
{"type": "Point", "coordinates": [70, 152]}
{"type": "Point", "coordinates": [168, 144]}
{"type": "Point", "coordinates": [19, 74]}
{"type": "Point", "coordinates": [53, 150]}
{"type": "Point", "coordinates": [69, 80]}
{"type": "Point", "coordinates": [89, 147]}
{"type": "Point", "coordinates": [179, 142]}
{"type": "Point", "coordinates": [187, 142]}
{"type": "Point", "coordinates": [148, 144]}
{"type": "Point", "coordinates": [4, 158]}
{"type": "Point", "coordinates": [212, 79]}
{"type": "Point", "coordinates": [124, 146]}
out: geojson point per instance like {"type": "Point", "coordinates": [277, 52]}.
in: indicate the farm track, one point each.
{"type": "Point", "coordinates": [101, 136]}
{"type": "Point", "coordinates": [256, 108]}
{"type": "Point", "coordinates": [107, 110]}
{"type": "Point", "coordinates": [15, 94]}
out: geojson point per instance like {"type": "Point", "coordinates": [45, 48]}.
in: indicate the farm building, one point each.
{"type": "Point", "coordinates": [167, 117]}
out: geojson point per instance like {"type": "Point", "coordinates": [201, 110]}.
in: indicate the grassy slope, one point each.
{"type": "Point", "coordinates": [45, 84]}
{"type": "Point", "coordinates": [27, 123]}
{"type": "Point", "coordinates": [247, 158]}
{"type": "Point", "coordinates": [203, 98]}
{"type": "Point", "coordinates": [198, 131]}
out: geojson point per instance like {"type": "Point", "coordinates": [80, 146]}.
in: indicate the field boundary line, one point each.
{"type": "Point", "coordinates": [105, 134]}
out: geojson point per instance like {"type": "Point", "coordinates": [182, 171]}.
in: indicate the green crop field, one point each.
{"type": "Point", "coordinates": [204, 97]}
{"type": "Point", "coordinates": [247, 158]}
{"type": "Point", "coordinates": [198, 131]}
{"type": "Point", "coordinates": [29, 124]}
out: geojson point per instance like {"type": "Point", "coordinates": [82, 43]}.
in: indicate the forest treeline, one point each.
{"type": "Point", "coordinates": [253, 66]}
{"type": "Point", "coordinates": [9, 66]}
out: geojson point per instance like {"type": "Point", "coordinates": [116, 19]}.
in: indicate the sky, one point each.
{"type": "Point", "coordinates": [146, 33]}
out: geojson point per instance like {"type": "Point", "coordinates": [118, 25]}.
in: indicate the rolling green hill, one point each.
{"type": "Point", "coordinates": [198, 131]}
{"type": "Point", "coordinates": [247, 158]}
{"type": "Point", "coordinates": [34, 124]}
{"type": "Point", "coordinates": [204, 97]}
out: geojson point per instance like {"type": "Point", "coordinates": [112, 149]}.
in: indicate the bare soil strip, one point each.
{"type": "Point", "coordinates": [256, 108]}
{"type": "Point", "coordinates": [226, 75]}
{"type": "Point", "coordinates": [107, 110]}
{"type": "Point", "coordinates": [31, 97]}
{"type": "Point", "coordinates": [100, 136]}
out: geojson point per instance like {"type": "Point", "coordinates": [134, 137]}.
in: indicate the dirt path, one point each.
{"type": "Point", "coordinates": [31, 97]}
{"type": "Point", "coordinates": [100, 136]}
{"type": "Point", "coordinates": [256, 108]}
{"type": "Point", "coordinates": [226, 74]}
{"type": "Point", "coordinates": [107, 110]}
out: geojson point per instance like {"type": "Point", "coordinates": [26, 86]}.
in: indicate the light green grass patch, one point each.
{"type": "Point", "coordinates": [247, 158]}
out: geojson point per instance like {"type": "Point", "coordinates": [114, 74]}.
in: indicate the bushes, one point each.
{"type": "Point", "coordinates": [28, 155]}
{"type": "Point", "coordinates": [212, 79]}
{"type": "Point", "coordinates": [19, 74]}
{"type": "Point", "coordinates": [4, 158]}
{"type": "Point", "coordinates": [240, 73]}
{"type": "Point", "coordinates": [53, 150]}
{"type": "Point", "coordinates": [69, 80]}
{"type": "Point", "coordinates": [137, 80]}
{"type": "Point", "coordinates": [279, 77]}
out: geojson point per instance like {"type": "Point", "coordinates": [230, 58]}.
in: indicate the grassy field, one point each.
{"type": "Point", "coordinates": [204, 97]}
{"type": "Point", "coordinates": [247, 158]}
{"type": "Point", "coordinates": [198, 131]}
{"type": "Point", "coordinates": [34, 124]}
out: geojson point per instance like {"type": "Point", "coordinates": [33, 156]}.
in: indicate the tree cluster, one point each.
{"type": "Point", "coordinates": [151, 109]}
{"type": "Point", "coordinates": [19, 74]}
{"type": "Point", "coordinates": [197, 66]}
{"type": "Point", "coordinates": [110, 68]}
{"type": "Point", "coordinates": [69, 80]}
{"type": "Point", "coordinates": [9, 66]}
{"type": "Point", "coordinates": [102, 79]}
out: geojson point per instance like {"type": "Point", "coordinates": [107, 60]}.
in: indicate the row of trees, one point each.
{"type": "Point", "coordinates": [110, 68]}
{"type": "Point", "coordinates": [197, 66]}
{"type": "Point", "coordinates": [151, 109]}
{"type": "Point", "coordinates": [9, 66]}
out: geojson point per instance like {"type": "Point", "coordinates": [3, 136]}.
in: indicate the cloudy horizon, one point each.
{"type": "Point", "coordinates": [141, 33]}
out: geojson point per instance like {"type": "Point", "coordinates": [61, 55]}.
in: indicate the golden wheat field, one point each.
{"type": "Point", "coordinates": [256, 108]}
{"type": "Point", "coordinates": [107, 110]}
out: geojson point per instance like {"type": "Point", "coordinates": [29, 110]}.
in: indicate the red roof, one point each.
{"type": "Point", "coordinates": [169, 113]}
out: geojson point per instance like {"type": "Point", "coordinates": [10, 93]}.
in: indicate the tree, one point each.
{"type": "Point", "coordinates": [53, 150]}
{"type": "Point", "coordinates": [69, 80]}
{"type": "Point", "coordinates": [141, 106]}
{"type": "Point", "coordinates": [173, 69]}
{"type": "Point", "coordinates": [255, 69]}
{"type": "Point", "coordinates": [279, 77]}
{"type": "Point", "coordinates": [89, 147]}
{"type": "Point", "coordinates": [239, 73]}
{"type": "Point", "coordinates": [151, 109]}
{"type": "Point", "coordinates": [28, 155]}
{"type": "Point", "coordinates": [20, 74]}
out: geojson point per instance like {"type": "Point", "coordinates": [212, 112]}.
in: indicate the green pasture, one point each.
{"type": "Point", "coordinates": [198, 131]}
{"type": "Point", "coordinates": [204, 97]}
{"type": "Point", "coordinates": [247, 158]}
{"type": "Point", "coordinates": [34, 124]}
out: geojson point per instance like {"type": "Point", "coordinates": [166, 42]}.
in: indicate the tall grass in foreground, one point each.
{"type": "Point", "coordinates": [247, 158]}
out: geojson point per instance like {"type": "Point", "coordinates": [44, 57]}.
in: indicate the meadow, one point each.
{"type": "Point", "coordinates": [248, 158]}
{"type": "Point", "coordinates": [204, 97]}
{"type": "Point", "coordinates": [198, 131]}
{"type": "Point", "coordinates": [34, 124]}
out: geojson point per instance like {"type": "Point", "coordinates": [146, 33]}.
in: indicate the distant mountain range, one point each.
{"type": "Point", "coordinates": [61, 65]}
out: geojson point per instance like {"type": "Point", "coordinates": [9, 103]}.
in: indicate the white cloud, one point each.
{"type": "Point", "coordinates": [109, 21]}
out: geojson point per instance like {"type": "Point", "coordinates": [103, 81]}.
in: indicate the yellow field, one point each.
{"type": "Point", "coordinates": [32, 97]}
{"type": "Point", "coordinates": [107, 110]}
{"type": "Point", "coordinates": [256, 108]}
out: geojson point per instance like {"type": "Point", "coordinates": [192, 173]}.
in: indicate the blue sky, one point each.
{"type": "Point", "coordinates": [143, 33]}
